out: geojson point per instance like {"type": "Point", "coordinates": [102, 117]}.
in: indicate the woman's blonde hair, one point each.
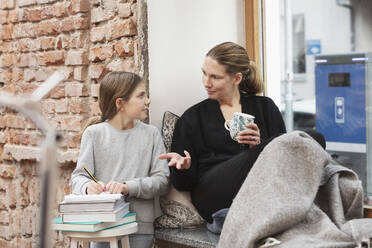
{"type": "Point", "coordinates": [113, 86]}
{"type": "Point", "coordinates": [235, 58]}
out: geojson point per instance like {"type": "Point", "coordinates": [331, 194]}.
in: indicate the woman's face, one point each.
{"type": "Point", "coordinates": [217, 82]}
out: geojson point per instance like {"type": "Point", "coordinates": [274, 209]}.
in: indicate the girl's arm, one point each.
{"type": "Point", "coordinates": [158, 179]}
{"type": "Point", "coordinates": [79, 178]}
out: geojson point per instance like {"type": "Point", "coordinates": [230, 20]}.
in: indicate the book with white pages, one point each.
{"type": "Point", "coordinates": [94, 226]}
{"type": "Point", "coordinates": [69, 207]}
{"type": "Point", "coordinates": [108, 216]}
{"type": "Point", "coordinates": [103, 197]}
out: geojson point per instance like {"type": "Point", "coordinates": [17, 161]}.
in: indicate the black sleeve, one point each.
{"type": "Point", "coordinates": [276, 124]}
{"type": "Point", "coordinates": [184, 180]}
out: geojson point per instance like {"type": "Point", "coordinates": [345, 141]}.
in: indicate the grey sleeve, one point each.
{"type": "Point", "coordinates": [158, 180]}
{"type": "Point", "coordinates": [79, 178]}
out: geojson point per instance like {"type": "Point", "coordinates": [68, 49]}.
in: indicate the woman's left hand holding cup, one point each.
{"type": "Point", "coordinates": [250, 136]}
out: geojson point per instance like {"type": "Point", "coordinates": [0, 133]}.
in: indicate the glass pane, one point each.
{"type": "Point", "coordinates": [332, 72]}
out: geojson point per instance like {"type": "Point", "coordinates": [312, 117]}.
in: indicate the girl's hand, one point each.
{"type": "Point", "coordinates": [117, 188]}
{"type": "Point", "coordinates": [181, 163]}
{"type": "Point", "coordinates": [250, 136]}
{"type": "Point", "coordinates": [93, 188]}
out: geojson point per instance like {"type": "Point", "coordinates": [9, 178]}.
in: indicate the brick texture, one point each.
{"type": "Point", "coordinates": [83, 39]}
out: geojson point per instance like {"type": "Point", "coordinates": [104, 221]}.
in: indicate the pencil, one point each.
{"type": "Point", "coordinates": [91, 176]}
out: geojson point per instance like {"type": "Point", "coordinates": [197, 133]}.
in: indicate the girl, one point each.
{"type": "Point", "coordinates": [122, 152]}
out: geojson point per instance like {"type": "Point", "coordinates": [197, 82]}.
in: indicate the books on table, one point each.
{"type": "Point", "coordinates": [102, 207]}
{"type": "Point", "coordinates": [92, 226]}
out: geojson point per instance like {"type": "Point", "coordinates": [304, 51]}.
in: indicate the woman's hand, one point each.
{"type": "Point", "coordinates": [250, 136]}
{"type": "Point", "coordinates": [181, 163]}
{"type": "Point", "coordinates": [93, 188]}
{"type": "Point", "coordinates": [117, 188]}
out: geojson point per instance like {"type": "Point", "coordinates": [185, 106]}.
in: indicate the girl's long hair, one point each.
{"type": "Point", "coordinates": [235, 59]}
{"type": "Point", "coordinates": [113, 86]}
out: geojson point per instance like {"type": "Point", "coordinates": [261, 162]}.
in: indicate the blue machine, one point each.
{"type": "Point", "coordinates": [344, 110]}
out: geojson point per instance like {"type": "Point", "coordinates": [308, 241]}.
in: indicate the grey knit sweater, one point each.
{"type": "Point", "coordinates": [129, 156]}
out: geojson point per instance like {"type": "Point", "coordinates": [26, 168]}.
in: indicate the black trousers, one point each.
{"type": "Point", "coordinates": [218, 186]}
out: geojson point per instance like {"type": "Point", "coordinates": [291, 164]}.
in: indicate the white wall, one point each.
{"type": "Point", "coordinates": [180, 33]}
{"type": "Point", "coordinates": [363, 26]}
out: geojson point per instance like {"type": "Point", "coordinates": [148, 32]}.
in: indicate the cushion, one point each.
{"type": "Point", "coordinates": [178, 211]}
{"type": "Point", "coordinates": [167, 128]}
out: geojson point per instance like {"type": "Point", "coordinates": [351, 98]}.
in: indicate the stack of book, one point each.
{"type": "Point", "coordinates": [93, 213]}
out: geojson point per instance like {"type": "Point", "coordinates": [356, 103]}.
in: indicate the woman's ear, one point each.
{"type": "Point", "coordinates": [238, 78]}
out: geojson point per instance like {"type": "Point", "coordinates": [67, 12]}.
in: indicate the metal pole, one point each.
{"type": "Point", "coordinates": [288, 67]}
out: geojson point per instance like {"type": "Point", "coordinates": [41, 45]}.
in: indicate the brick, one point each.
{"type": "Point", "coordinates": [61, 106]}
{"type": "Point", "coordinates": [94, 108]}
{"type": "Point", "coordinates": [8, 3]}
{"type": "Point", "coordinates": [27, 60]}
{"type": "Point", "coordinates": [4, 234]}
{"type": "Point", "coordinates": [24, 30]}
{"type": "Point", "coordinates": [67, 72]}
{"type": "Point", "coordinates": [52, 58]}
{"type": "Point", "coordinates": [5, 46]}
{"type": "Point", "coordinates": [72, 140]}
{"type": "Point", "coordinates": [99, 15]}
{"type": "Point", "coordinates": [29, 74]}
{"type": "Point", "coordinates": [48, 43]}
{"type": "Point", "coordinates": [6, 32]}
{"type": "Point", "coordinates": [124, 10]}
{"type": "Point", "coordinates": [79, 6]}
{"type": "Point", "coordinates": [11, 194]}
{"type": "Point", "coordinates": [57, 92]}
{"type": "Point", "coordinates": [57, 10]}
{"type": "Point", "coordinates": [3, 16]}
{"type": "Point", "coordinates": [70, 123]}
{"type": "Point", "coordinates": [33, 15]}
{"type": "Point", "coordinates": [7, 59]}
{"type": "Point", "coordinates": [19, 153]}
{"type": "Point", "coordinates": [48, 106]}
{"type": "Point", "coordinates": [43, 73]}
{"type": "Point", "coordinates": [75, 89]}
{"type": "Point", "coordinates": [28, 88]}
{"type": "Point", "coordinates": [76, 22]}
{"type": "Point", "coordinates": [27, 45]}
{"type": "Point", "coordinates": [78, 106]}
{"type": "Point", "coordinates": [76, 58]}
{"type": "Point", "coordinates": [124, 48]}
{"type": "Point", "coordinates": [15, 222]}
{"type": "Point", "coordinates": [17, 74]}
{"type": "Point", "coordinates": [2, 136]}
{"type": "Point", "coordinates": [98, 34]}
{"type": "Point", "coordinates": [7, 172]}
{"type": "Point", "coordinates": [48, 28]}
{"type": "Point", "coordinates": [101, 53]}
{"type": "Point", "coordinates": [80, 73]}
{"type": "Point", "coordinates": [97, 71]}
{"type": "Point", "coordinates": [24, 242]}
{"type": "Point", "coordinates": [13, 16]}
{"type": "Point", "coordinates": [79, 39]}
{"type": "Point", "coordinates": [70, 155]}
{"type": "Point", "coordinates": [4, 217]}
{"type": "Point", "coordinates": [24, 3]}
{"type": "Point", "coordinates": [94, 90]}
{"type": "Point", "coordinates": [121, 65]}
{"type": "Point", "coordinates": [122, 28]}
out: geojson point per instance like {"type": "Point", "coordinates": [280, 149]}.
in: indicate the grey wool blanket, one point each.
{"type": "Point", "coordinates": [294, 196]}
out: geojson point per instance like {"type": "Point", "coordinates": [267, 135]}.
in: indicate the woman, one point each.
{"type": "Point", "coordinates": [215, 166]}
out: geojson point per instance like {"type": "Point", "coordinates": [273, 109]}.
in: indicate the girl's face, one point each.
{"type": "Point", "coordinates": [217, 82]}
{"type": "Point", "coordinates": [137, 106]}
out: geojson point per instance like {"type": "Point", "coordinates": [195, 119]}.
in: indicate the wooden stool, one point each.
{"type": "Point", "coordinates": [111, 235]}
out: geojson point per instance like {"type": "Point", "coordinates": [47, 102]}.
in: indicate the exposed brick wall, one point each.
{"type": "Point", "coordinates": [82, 38]}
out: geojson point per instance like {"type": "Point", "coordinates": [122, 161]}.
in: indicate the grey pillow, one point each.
{"type": "Point", "coordinates": [167, 128]}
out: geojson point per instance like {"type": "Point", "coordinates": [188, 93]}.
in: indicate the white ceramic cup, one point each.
{"type": "Point", "coordinates": [238, 124]}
